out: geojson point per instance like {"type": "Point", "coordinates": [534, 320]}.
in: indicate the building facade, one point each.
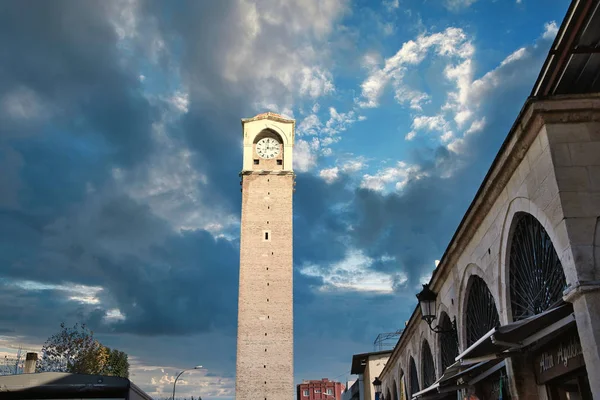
{"type": "Point", "coordinates": [323, 389]}
{"type": "Point", "coordinates": [367, 366]}
{"type": "Point", "coordinates": [264, 364]}
{"type": "Point", "coordinates": [517, 292]}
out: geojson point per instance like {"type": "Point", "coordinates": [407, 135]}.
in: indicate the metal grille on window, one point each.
{"type": "Point", "coordinates": [482, 314]}
{"type": "Point", "coordinates": [414, 378]}
{"type": "Point", "coordinates": [448, 343]}
{"type": "Point", "coordinates": [537, 279]}
{"type": "Point", "coordinates": [428, 373]}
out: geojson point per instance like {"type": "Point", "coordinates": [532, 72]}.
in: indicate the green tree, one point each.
{"type": "Point", "coordinates": [76, 350]}
{"type": "Point", "coordinates": [117, 363]}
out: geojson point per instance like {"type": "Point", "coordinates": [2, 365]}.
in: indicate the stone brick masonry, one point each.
{"type": "Point", "coordinates": [265, 310]}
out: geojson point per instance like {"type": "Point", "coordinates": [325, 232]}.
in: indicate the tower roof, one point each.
{"type": "Point", "coordinates": [268, 115]}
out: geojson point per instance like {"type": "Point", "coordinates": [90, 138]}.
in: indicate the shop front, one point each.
{"type": "Point", "coordinates": [560, 367]}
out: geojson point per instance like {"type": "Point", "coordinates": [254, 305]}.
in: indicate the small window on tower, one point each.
{"type": "Point", "coordinates": [279, 162]}
{"type": "Point", "coordinates": [266, 236]}
{"type": "Point", "coordinates": [256, 161]}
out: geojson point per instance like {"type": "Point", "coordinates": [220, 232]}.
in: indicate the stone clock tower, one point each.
{"type": "Point", "coordinates": [264, 367]}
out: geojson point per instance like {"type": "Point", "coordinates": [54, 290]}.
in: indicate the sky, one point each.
{"type": "Point", "coordinates": [121, 144]}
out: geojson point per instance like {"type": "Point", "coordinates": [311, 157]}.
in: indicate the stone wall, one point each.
{"type": "Point", "coordinates": [549, 167]}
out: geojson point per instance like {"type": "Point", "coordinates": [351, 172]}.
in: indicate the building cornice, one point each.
{"type": "Point", "coordinates": [267, 172]}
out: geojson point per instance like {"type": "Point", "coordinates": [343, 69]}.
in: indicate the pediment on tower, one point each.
{"type": "Point", "coordinates": [283, 126]}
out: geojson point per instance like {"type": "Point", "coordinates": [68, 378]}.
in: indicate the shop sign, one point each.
{"type": "Point", "coordinates": [559, 358]}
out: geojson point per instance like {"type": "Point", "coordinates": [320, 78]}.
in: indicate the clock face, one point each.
{"type": "Point", "coordinates": [267, 148]}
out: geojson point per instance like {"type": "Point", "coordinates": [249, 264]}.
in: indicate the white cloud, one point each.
{"type": "Point", "coordinates": [550, 30]}
{"type": "Point", "coordinates": [391, 5]}
{"type": "Point", "coordinates": [75, 292]}
{"type": "Point", "coordinates": [399, 176]}
{"type": "Point", "coordinates": [330, 175]}
{"type": "Point", "coordinates": [338, 122]}
{"type": "Point", "coordinates": [433, 123]}
{"type": "Point", "coordinates": [414, 98]}
{"type": "Point", "coordinates": [353, 165]}
{"type": "Point", "coordinates": [457, 4]}
{"type": "Point", "coordinates": [451, 43]}
{"type": "Point", "coordinates": [181, 102]}
{"type": "Point", "coordinates": [309, 125]}
{"type": "Point", "coordinates": [476, 126]}
{"type": "Point", "coordinates": [305, 157]}
{"type": "Point", "coordinates": [516, 55]}
{"type": "Point", "coordinates": [410, 135]}
{"type": "Point", "coordinates": [280, 49]}
{"type": "Point", "coordinates": [447, 136]}
{"type": "Point", "coordinates": [114, 314]}
{"type": "Point", "coordinates": [354, 272]}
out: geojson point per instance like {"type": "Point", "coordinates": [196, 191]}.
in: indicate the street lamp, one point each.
{"type": "Point", "coordinates": [189, 369]}
{"type": "Point", "coordinates": [377, 385]}
{"type": "Point", "coordinates": [427, 299]}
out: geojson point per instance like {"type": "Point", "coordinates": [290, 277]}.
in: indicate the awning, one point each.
{"type": "Point", "coordinates": [428, 393]}
{"type": "Point", "coordinates": [509, 339]}
{"type": "Point", "coordinates": [457, 377]}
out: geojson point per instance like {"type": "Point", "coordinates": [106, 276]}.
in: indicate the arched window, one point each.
{"type": "Point", "coordinates": [387, 394]}
{"type": "Point", "coordinates": [395, 391]}
{"type": "Point", "coordinates": [414, 378]}
{"type": "Point", "coordinates": [448, 342]}
{"type": "Point", "coordinates": [427, 366]}
{"type": "Point", "coordinates": [537, 279]}
{"type": "Point", "coordinates": [482, 314]}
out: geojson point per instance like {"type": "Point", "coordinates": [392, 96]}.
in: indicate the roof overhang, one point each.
{"type": "Point", "coordinates": [573, 63]}
{"type": "Point", "coordinates": [359, 361]}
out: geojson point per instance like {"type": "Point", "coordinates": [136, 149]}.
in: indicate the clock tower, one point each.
{"type": "Point", "coordinates": [264, 365]}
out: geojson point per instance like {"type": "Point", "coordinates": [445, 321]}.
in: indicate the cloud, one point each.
{"type": "Point", "coordinates": [399, 176]}
{"type": "Point", "coordinates": [329, 175]}
{"type": "Point", "coordinates": [458, 4]}
{"type": "Point", "coordinates": [550, 30]}
{"type": "Point", "coordinates": [120, 200]}
{"type": "Point", "coordinates": [352, 273]}
{"type": "Point", "coordinates": [451, 43]}
{"type": "Point", "coordinates": [391, 5]}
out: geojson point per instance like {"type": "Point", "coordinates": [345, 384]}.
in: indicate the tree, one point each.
{"type": "Point", "coordinates": [118, 363]}
{"type": "Point", "coordinates": [75, 350]}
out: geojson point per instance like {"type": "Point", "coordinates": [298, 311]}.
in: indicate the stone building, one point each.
{"type": "Point", "coordinates": [512, 311]}
{"type": "Point", "coordinates": [264, 365]}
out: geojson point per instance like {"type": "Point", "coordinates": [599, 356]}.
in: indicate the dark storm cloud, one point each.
{"type": "Point", "coordinates": [59, 61]}
{"type": "Point", "coordinates": [69, 224]}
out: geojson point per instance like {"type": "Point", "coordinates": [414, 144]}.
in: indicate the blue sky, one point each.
{"type": "Point", "coordinates": [120, 146]}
